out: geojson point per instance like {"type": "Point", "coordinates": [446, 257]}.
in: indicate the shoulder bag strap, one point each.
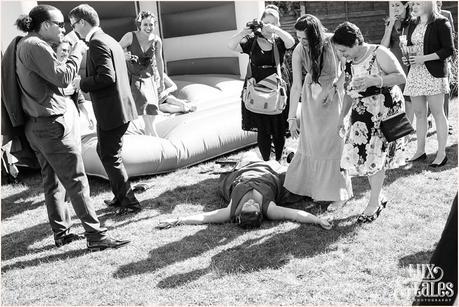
{"type": "Point", "coordinates": [276, 58]}
{"type": "Point", "coordinates": [249, 66]}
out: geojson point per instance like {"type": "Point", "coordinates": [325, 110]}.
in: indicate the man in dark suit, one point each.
{"type": "Point", "coordinates": [108, 84]}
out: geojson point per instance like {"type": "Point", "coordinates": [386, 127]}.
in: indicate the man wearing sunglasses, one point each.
{"type": "Point", "coordinates": [50, 128]}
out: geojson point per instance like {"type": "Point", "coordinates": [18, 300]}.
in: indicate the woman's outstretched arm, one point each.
{"type": "Point", "coordinates": [218, 216]}
{"type": "Point", "coordinates": [276, 213]}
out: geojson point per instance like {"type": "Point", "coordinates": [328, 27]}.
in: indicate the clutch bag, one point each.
{"type": "Point", "coordinates": [396, 126]}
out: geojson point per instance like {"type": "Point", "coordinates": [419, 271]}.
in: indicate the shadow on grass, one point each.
{"type": "Point", "coordinates": [361, 185]}
{"type": "Point", "coordinates": [16, 244]}
{"type": "Point", "coordinates": [203, 193]}
{"type": "Point", "coordinates": [416, 258]}
{"type": "Point", "coordinates": [44, 259]}
{"type": "Point", "coordinates": [263, 253]}
{"type": "Point", "coordinates": [268, 252]}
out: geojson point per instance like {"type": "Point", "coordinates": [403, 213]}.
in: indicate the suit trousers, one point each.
{"type": "Point", "coordinates": [57, 145]}
{"type": "Point", "coordinates": [109, 146]}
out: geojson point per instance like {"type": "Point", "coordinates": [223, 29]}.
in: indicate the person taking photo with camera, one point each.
{"type": "Point", "coordinates": [262, 40]}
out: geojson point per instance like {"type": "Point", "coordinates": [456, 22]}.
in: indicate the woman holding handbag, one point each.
{"type": "Point", "coordinates": [427, 82]}
{"type": "Point", "coordinates": [372, 76]}
{"type": "Point", "coordinates": [262, 41]}
{"type": "Point", "coordinates": [315, 168]}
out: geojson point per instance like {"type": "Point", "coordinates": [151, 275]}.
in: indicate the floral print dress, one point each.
{"type": "Point", "coordinates": [366, 151]}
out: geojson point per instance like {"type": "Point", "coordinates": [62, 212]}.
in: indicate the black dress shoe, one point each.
{"type": "Point", "coordinates": [134, 208]}
{"type": "Point", "coordinates": [420, 158]}
{"type": "Point", "coordinates": [67, 239]}
{"type": "Point", "coordinates": [100, 245]}
{"type": "Point", "coordinates": [441, 163]}
{"type": "Point", "coordinates": [113, 203]}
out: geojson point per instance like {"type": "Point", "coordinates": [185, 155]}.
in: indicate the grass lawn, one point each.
{"type": "Point", "coordinates": [280, 263]}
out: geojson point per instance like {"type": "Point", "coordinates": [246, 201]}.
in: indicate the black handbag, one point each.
{"type": "Point", "coordinates": [396, 126]}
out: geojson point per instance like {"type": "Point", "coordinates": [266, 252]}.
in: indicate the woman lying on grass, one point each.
{"type": "Point", "coordinates": [253, 190]}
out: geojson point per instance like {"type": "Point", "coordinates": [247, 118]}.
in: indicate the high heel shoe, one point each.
{"type": "Point", "coordinates": [420, 158]}
{"type": "Point", "coordinates": [363, 218]}
{"type": "Point", "coordinates": [440, 164]}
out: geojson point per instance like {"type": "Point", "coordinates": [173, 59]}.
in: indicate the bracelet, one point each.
{"type": "Point", "coordinates": [291, 118]}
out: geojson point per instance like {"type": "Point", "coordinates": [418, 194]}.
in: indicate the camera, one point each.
{"type": "Point", "coordinates": [255, 26]}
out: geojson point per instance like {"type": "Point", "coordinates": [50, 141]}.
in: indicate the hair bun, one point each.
{"type": "Point", "coordinates": [24, 23]}
{"type": "Point", "coordinates": [273, 7]}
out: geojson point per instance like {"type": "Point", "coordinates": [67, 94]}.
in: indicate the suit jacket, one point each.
{"type": "Point", "coordinates": [107, 82]}
{"type": "Point", "coordinates": [437, 39]}
{"type": "Point", "coordinates": [12, 114]}
{"type": "Point", "coordinates": [11, 96]}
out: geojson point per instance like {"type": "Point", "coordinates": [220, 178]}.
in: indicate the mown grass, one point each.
{"type": "Point", "coordinates": [280, 263]}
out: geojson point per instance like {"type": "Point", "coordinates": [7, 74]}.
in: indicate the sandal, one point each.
{"type": "Point", "coordinates": [363, 218]}
{"type": "Point", "coordinates": [325, 224]}
{"type": "Point", "coordinates": [169, 224]}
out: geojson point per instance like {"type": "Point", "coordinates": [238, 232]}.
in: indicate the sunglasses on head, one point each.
{"type": "Point", "coordinates": [59, 24]}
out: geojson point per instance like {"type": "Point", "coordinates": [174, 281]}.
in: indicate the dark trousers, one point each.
{"type": "Point", "coordinates": [265, 139]}
{"type": "Point", "coordinates": [109, 145]}
{"type": "Point", "coordinates": [56, 143]}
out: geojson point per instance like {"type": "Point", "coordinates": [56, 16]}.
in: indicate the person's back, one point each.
{"type": "Point", "coordinates": [117, 93]}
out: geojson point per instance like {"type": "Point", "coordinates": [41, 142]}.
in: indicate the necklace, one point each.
{"type": "Point", "coordinates": [359, 58]}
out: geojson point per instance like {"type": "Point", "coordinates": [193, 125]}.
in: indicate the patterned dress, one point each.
{"type": "Point", "coordinates": [142, 75]}
{"type": "Point", "coordinates": [366, 151]}
{"type": "Point", "coordinates": [419, 81]}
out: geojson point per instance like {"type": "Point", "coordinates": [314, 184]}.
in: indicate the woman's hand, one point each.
{"type": "Point", "coordinates": [390, 22]}
{"type": "Point", "coordinates": [269, 28]}
{"type": "Point", "coordinates": [246, 31]}
{"type": "Point", "coordinates": [128, 55]}
{"type": "Point", "coordinates": [417, 59]}
{"type": "Point", "coordinates": [293, 127]}
{"type": "Point", "coordinates": [360, 84]}
{"type": "Point", "coordinates": [340, 128]}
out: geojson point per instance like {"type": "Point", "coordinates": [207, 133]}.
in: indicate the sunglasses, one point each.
{"type": "Point", "coordinates": [73, 24]}
{"type": "Point", "coordinates": [59, 24]}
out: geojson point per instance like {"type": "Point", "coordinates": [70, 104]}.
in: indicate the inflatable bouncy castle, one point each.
{"type": "Point", "coordinates": [195, 36]}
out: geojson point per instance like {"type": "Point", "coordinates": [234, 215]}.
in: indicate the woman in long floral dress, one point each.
{"type": "Point", "coordinates": [373, 74]}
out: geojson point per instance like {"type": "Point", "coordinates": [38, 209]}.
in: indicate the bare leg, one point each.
{"type": "Point", "coordinates": [150, 128]}
{"type": "Point", "coordinates": [170, 108]}
{"type": "Point", "coordinates": [420, 110]}
{"type": "Point", "coordinates": [436, 104]}
{"type": "Point", "coordinates": [376, 184]}
{"type": "Point", "coordinates": [409, 110]}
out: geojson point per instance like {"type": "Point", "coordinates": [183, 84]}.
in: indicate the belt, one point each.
{"type": "Point", "coordinates": [266, 66]}
{"type": "Point", "coordinates": [44, 118]}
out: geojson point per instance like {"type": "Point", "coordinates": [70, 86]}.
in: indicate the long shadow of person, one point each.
{"type": "Point", "coordinates": [188, 247]}
{"type": "Point", "coordinates": [272, 252]}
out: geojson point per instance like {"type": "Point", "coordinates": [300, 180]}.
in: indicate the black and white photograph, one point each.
{"type": "Point", "coordinates": [241, 152]}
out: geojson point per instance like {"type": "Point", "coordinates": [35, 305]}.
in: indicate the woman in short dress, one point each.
{"type": "Point", "coordinates": [146, 69]}
{"type": "Point", "coordinates": [396, 26]}
{"type": "Point", "coordinates": [315, 168]}
{"type": "Point", "coordinates": [271, 128]}
{"type": "Point", "coordinates": [372, 76]}
{"type": "Point", "coordinates": [427, 81]}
